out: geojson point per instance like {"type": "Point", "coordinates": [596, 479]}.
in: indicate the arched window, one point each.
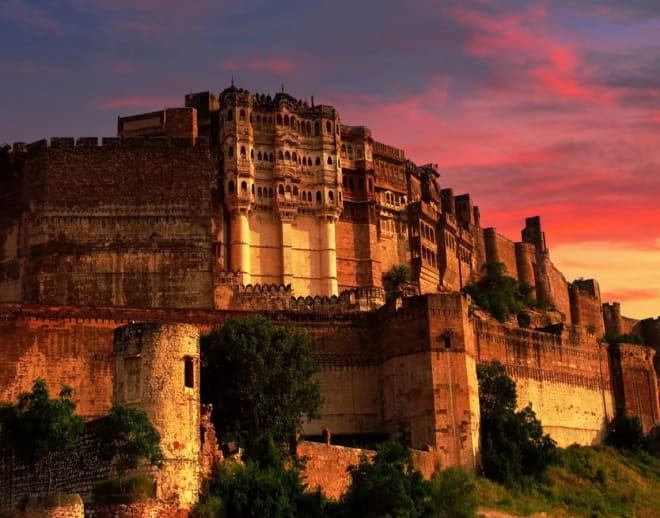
{"type": "Point", "coordinates": [287, 156]}
{"type": "Point", "coordinates": [280, 190]}
{"type": "Point", "coordinates": [270, 192]}
{"type": "Point", "coordinates": [259, 156]}
{"type": "Point", "coordinates": [241, 115]}
{"type": "Point", "coordinates": [230, 187]}
{"type": "Point", "coordinates": [317, 129]}
{"type": "Point", "coordinates": [280, 155]}
{"type": "Point", "coordinates": [294, 157]}
{"type": "Point", "coordinates": [243, 186]}
{"type": "Point", "coordinates": [328, 127]}
{"type": "Point", "coordinates": [318, 160]}
{"type": "Point", "coordinates": [295, 191]}
{"type": "Point", "coordinates": [230, 115]}
{"type": "Point", "coordinates": [252, 189]}
{"type": "Point", "coordinates": [230, 151]}
{"type": "Point", "coordinates": [318, 196]}
{"type": "Point", "coordinates": [329, 160]}
{"type": "Point", "coordinates": [286, 120]}
{"type": "Point", "coordinates": [242, 151]}
{"type": "Point", "coordinates": [304, 160]}
{"type": "Point", "coordinates": [252, 154]}
{"type": "Point", "coordinates": [331, 197]}
{"type": "Point", "coordinates": [270, 157]}
{"type": "Point", "coordinates": [279, 119]}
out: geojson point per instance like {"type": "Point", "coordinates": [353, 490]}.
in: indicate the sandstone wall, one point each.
{"type": "Point", "coordinates": [266, 249]}
{"type": "Point", "coordinates": [355, 263]}
{"type": "Point", "coordinates": [551, 286]}
{"type": "Point", "coordinates": [502, 250]}
{"type": "Point", "coordinates": [126, 223]}
{"type": "Point", "coordinates": [566, 378]}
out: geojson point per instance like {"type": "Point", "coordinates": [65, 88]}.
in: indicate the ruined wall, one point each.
{"type": "Point", "coordinates": [327, 465]}
{"type": "Point", "coordinates": [71, 474]}
{"type": "Point", "coordinates": [566, 378]}
{"type": "Point", "coordinates": [126, 223]}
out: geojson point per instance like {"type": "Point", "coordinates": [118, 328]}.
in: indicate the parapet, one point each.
{"type": "Point", "coordinates": [114, 142]}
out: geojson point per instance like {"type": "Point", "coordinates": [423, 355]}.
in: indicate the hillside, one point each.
{"type": "Point", "coordinates": [594, 481]}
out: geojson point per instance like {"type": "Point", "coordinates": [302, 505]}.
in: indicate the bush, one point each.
{"type": "Point", "coordinates": [136, 487]}
{"type": "Point", "coordinates": [454, 494]}
{"type": "Point", "coordinates": [387, 486]}
{"type": "Point", "coordinates": [626, 433]}
{"type": "Point", "coordinates": [262, 487]}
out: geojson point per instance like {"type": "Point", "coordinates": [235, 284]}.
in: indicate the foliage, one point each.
{"type": "Point", "coordinates": [499, 294]}
{"type": "Point", "coordinates": [36, 427]}
{"type": "Point", "coordinates": [132, 488]}
{"type": "Point", "coordinates": [262, 487]}
{"type": "Point", "coordinates": [513, 446]}
{"type": "Point", "coordinates": [396, 277]}
{"type": "Point", "coordinates": [387, 486]}
{"type": "Point", "coordinates": [127, 437]}
{"type": "Point", "coordinates": [626, 433]}
{"type": "Point", "coordinates": [585, 481]}
{"type": "Point", "coordinates": [626, 338]}
{"type": "Point", "coordinates": [454, 494]}
{"type": "Point", "coordinates": [259, 379]}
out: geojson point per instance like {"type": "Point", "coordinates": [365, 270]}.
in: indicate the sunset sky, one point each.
{"type": "Point", "coordinates": [534, 107]}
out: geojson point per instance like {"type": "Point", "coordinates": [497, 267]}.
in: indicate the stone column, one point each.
{"type": "Point", "coordinates": [240, 244]}
{"type": "Point", "coordinates": [287, 255]}
{"type": "Point", "coordinates": [328, 255]}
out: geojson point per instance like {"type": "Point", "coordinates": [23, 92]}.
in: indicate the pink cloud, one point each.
{"type": "Point", "coordinates": [144, 102]}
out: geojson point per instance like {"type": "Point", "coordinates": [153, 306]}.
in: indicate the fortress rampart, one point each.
{"type": "Point", "coordinates": [243, 203]}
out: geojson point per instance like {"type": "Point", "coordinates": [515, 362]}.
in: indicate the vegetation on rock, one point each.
{"type": "Point", "coordinates": [499, 294]}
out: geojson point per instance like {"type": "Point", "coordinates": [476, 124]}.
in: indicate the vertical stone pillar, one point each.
{"type": "Point", "coordinates": [240, 244]}
{"type": "Point", "coordinates": [287, 255]}
{"type": "Point", "coordinates": [157, 370]}
{"type": "Point", "coordinates": [328, 255]}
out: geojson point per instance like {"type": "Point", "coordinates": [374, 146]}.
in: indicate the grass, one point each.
{"type": "Point", "coordinates": [596, 482]}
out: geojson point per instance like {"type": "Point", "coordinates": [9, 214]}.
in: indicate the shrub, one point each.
{"type": "Point", "coordinates": [136, 487]}
{"type": "Point", "coordinates": [454, 494]}
{"type": "Point", "coordinates": [626, 433]}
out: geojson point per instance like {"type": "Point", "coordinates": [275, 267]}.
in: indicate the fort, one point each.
{"type": "Point", "coordinates": [115, 255]}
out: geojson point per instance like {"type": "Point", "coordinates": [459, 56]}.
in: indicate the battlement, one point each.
{"type": "Point", "coordinates": [111, 142]}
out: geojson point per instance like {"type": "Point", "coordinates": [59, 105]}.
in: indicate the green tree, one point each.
{"type": "Point", "coordinates": [387, 486]}
{"type": "Point", "coordinates": [454, 494]}
{"type": "Point", "coordinates": [37, 427]}
{"type": "Point", "coordinates": [396, 277]}
{"type": "Point", "coordinates": [499, 294]}
{"type": "Point", "coordinates": [127, 437]}
{"type": "Point", "coordinates": [513, 445]}
{"type": "Point", "coordinates": [259, 379]}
